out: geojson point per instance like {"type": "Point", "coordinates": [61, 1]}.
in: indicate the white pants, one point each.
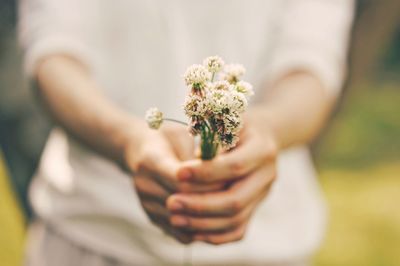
{"type": "Point", "coordinates": [47, 247]}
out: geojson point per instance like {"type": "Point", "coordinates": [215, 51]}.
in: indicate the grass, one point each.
{"type": "Point", "coordinates": [365, 131]}
{"type": "Point", "coordinates": [365, 219]}
{"type": "Point", "coordinates": [11, 224]}
{"type": "Point", "coordinates": [359, 162]}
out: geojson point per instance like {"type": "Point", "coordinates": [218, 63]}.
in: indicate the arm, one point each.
{"type": "Point", "coordinates": [73, 99]}
{"type": "Point", "coordinates": [294, 110]}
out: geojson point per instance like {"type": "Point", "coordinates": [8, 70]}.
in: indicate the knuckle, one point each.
{"type": "Point", "coordinates": [239, 236]}
{"type": "Point", "coordinates": [235, 206]}
{"type": "Point", "coordinates": [203, 173]}
{"type": "Point", "coordinates": [237, 168]}
{"type": "Point", "coordinates": [272, 150]}
{"type": "Point", "coordinates": [240, 233]}
{"type": "Point", "coordinates": [139, 183]}
{"type": "Point", "coordinates": [183, 187]}
{"type": "Point", "coordinates": [145, 156]}
{"type": "Point", "coordinates": [216, 187]}
{"type": "Point", "coordinates": [199, 224]}
{"type": "Point", "coordinates": [196, 208]}
{"type": "Point", "coordinates": [237, 220]}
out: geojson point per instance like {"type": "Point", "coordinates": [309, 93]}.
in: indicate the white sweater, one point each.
{"type": "Point", "coordinates": [138, 50]}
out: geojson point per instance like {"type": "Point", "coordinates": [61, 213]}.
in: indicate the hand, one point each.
{"type": "Point", "coordinates": [156, 159]}
{"type": "Point", "coordinates": [222, 216]}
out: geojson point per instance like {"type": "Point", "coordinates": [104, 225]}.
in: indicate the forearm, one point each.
{"type": "Point", "coordinates": [295, 109]}
{"type": "Point", "coordinates": [75, 102]}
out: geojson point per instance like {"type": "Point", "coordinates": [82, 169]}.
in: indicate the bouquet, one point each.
{"type": "Point", "coordinates": [216, 100]}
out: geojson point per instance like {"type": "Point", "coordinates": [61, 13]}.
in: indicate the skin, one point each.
{"type": "Point", "coordinates": [190, 199]}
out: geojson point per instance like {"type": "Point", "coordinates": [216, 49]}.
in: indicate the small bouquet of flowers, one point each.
{"type": "Point", "coordinates": [217, 98]}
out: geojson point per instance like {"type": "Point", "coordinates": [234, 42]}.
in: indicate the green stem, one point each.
{"type": "Point", "coordinates": [208, 146]}
{"type": "Point", "coordinates": [175, 121]}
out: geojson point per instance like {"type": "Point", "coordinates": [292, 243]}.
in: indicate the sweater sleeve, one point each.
{"type": "Point", "coordinates": [56, 27]}
{"type": "Point", "coordinates": [314, 37]}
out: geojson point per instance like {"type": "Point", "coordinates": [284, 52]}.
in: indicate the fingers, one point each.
{"type": "Point", "coordinates": [186, 187]}
{"type": "Point", "coordinates": [147, 187]}
{"type": "Point", "coordinates": [214, 224]}
{"type": "Point", "coordinates": [164, 225]}
{"type": "Point", "coordinates": [224, 203]}
{"type": "Point", "coordinates": [159, 215]}
{"type": "Point", "coordinates": [180, 140]}
{"type": "Point", "coordinates": [155, 209]}
{"type": "Point", "coordinates": [222, 238]}
{"type": "Point", "coordinates": [230, 165]}
{"type": "Point", "coordinates": [165, 165]}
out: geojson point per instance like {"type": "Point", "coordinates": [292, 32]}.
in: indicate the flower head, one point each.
{"type": "Point", "coordinates": [195, 105]}
{"type": "Point", "coordinates": [196, 76]}
{"type": "Point", "coordinates": [228, 127]}
{"type": "Point", "coordinates": [219, 85]}
{"type": "Point", "coordinates": [213, 63]}
{"type": "Point", "coordinates": [225, 102]}
{"type": "Point", "coordinates": [154, 118]}
{"type": "Point", "coordinates": [245, 88]}
{"type": "Point", "coordinates": [214, 107]}
{"type": "Point", "coordinates": [233, 73]}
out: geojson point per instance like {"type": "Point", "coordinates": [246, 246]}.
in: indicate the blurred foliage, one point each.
{"type": "Point", "coordinates": [364, 227]}
{"type": "Point", "coordinates": [365, 131]}
{"type": "Point", "coordinates": [11, 223]}
{"type": "Point", "coordinates": [390, 63]}
{"type": "Point", "coordinates": [358, 156]}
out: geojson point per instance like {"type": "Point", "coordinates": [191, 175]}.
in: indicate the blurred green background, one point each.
{"type": "Point", "coordinates": [359, 164]}
{"type": "Point", "coordinates": [358, 154]}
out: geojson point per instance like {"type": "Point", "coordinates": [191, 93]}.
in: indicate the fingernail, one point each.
{"type": "Point", "coordinates": [184, 174]}
{"type": "Point", "coordinates": [179, 221]}
{"type": "Point", "coordinates": [176, 206]}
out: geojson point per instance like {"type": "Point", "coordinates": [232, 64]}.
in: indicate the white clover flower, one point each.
{"type": "Point", "coordinates": [213, 63]}
{"type": "Point", "coordinates": [232, 123]}
{"type": "Point", "coordinates": [219, 85]}
{"type": "Point", "coordinates": [225, 101]}
{"type": "Point", "coordinates": [216, 101]}
{"type": "Point", "coordinates": [196, 76]}
{"type": "Point", "coordinates": [229, 141]}
{"type": "Point", "coordinates": [154, 118]}
{"type": "Point", "coordinates": [233, 72]}
{"type": "Point", "coordinates": [214, 107]}
{"type": "Point", "coordinates": [195, 105]}
{"type": "Point", "coordinates": [245, 88]}
{"type": "Point", "coordinates": [238, 102]}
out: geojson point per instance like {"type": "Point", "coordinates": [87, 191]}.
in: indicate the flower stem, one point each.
{"type": "Point", "coordinates": [175, 121]}
{"type": "Point", "coordinates": [208, 146]}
